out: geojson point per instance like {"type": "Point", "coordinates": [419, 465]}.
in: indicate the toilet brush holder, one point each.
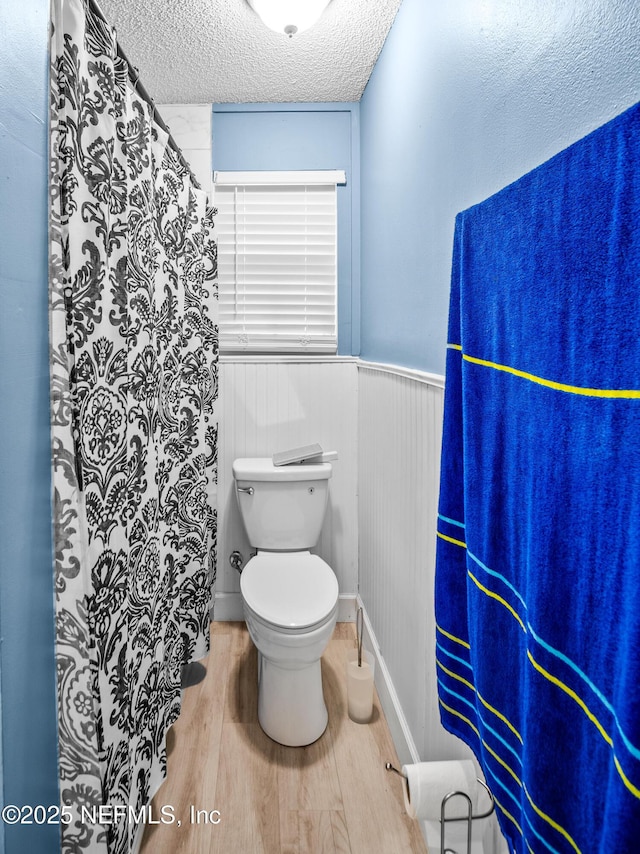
{"type": "Point", "coordinates": [360, 686]}
{"type": "Point", "coordinates": [360, 671]}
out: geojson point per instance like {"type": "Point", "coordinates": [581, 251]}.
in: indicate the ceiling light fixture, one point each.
{"type": "Point", "coordinates": [289, 16]}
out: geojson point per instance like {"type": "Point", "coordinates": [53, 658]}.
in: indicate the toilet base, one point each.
{"type": "Point", "coordinates": [291, 707]}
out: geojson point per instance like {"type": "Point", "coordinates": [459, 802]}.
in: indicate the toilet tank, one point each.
{"type": "Point", "coordinates": [282, 507]}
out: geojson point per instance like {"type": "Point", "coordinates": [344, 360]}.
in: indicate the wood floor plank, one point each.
{"type": "Point", "coordinates": [289, 833]}
{"type": "Point", "coordinates": [247, 792]}
{"type": "Point", "coordinates": [190, 780]}
{"type": "Point", "coordinates": [307, 776]}
{"type": "Point", "coordinates": [204, 774]}
{"type": "Point", "coordinates": [340, 832]}
{"type": "Point", "coordinates": [316, 832]}
{"type": "Point", "coordinates": [221, 627]}
{"type": "Point", "coordinates": [242, 692]}
{"type": "Point", "coordinates": [373, 803]}
{"type": "Point", "coordinates": [345, 631]}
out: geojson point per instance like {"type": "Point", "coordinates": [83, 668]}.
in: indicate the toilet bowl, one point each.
{"type": "Point", "coordinates": [289, 596]}
{"type": "Point", "coordinates": [290, 603]}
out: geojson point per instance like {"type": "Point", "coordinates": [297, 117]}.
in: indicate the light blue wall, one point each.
{"type": "Point", "coordinates": [468, 95]}
{"type": "Point", "coordinates": [304, 136]}
{"type": "Point", "coordinates": [29, 716]}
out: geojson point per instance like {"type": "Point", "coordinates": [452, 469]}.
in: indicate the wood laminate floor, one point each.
{"type": "Point", "coordinates": [332, 797]}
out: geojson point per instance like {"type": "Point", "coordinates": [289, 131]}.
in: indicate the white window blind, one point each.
{"type": "Point", "coordinates": [277, 261]}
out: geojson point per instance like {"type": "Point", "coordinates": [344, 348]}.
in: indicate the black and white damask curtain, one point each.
{"type": "Point", "coordinates": [134, 432]}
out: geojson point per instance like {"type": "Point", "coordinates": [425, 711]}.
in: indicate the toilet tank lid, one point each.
{"type": "Point", "coordinates": [262, 468]}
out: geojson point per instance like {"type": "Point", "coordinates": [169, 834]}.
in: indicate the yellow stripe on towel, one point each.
{"type": "Point", "coordinates": [498, 598]}
{"type": "Point", "coordinates": [550, 821]}
{"type": "Point", "coordinates": [455, 675]}
{"type": "Point", "coordinates": [459, 715]}
{"type": "Point", "coordinates": [506, 767]}
{"type": "Point", "coordinates": [453, 637]}
{"type": "Point", "coordinates": [574, 697]}
{"type": "Point", "coordinates": [484, 702]}
{"type": "Point", "coordinates": [635, 791]}
{"type": "Point", "coordinates": [626, 393]}
{"type": "Point", "coordinates": [475, 729]}
{"type": "Point", "coordinates": [451, 540]}
{"type": "Point", "coordinates": [499, 715]}
{"type": "Point", "coordinates": [508, 815]}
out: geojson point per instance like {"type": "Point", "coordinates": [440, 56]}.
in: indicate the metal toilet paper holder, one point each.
{"type": "Point", "coordinates": [445, 818]}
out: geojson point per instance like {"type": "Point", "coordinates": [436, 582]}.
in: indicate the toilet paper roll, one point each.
{"type": "Point", "coordinates": [429, 782]}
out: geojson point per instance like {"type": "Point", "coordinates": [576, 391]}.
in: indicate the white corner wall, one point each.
{"type": "Point", "coordinates": [190, 126]}
{"type": "Point", "coordinates": [399, 437]}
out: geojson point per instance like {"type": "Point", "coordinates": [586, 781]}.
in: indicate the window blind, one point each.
{"type": "Point", "coordinates": [277, 264]}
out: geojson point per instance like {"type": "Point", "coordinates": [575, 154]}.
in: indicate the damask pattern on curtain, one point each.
{"type": "Point", "coordinates": [134, 347]}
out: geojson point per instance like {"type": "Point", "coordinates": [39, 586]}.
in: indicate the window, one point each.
{"type": "Point", "coordinates": [277, 261]}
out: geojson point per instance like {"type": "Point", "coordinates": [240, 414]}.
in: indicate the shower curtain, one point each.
{"type": "Point", "coordinates": [133, 388]}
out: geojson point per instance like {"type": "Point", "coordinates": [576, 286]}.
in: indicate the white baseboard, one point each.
{"type": "Point", "coordinates": [398, 727]}
{"type": "Point", "coordinates": [396, 721]}
{"type": "Point", "coordinates": [347, 608]}
{"type": "Point", "coordinates": [228, 607]}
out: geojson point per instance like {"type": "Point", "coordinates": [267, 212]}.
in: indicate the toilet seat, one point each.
{"type": "Point", "coordinates": [295, 591]}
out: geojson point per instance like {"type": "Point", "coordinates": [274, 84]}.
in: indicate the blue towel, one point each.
{"type": "Point", "coordinates": [538, 562]}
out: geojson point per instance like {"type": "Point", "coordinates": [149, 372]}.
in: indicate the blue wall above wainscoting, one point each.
{"type": "Point", "coordinates": [249, 137]}
{"type": "Point", "coordinates": [465, 98]}
{"type": "Point", "coordinates": [29, 713]}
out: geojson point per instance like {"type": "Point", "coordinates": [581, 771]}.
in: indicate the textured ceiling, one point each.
{"type": "Point", "coordinates": [219, 51]}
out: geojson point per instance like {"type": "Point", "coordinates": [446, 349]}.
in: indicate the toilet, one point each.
{"type": "Point", "coordinates": [289, 596]}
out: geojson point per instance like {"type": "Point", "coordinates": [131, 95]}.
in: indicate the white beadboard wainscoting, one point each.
{"type": "Point", "coordinates": [269, 405]}
{"type": "Point", "coordinates": [400, 431]}
{"type": "Point", "coordinates": [399, 436]}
